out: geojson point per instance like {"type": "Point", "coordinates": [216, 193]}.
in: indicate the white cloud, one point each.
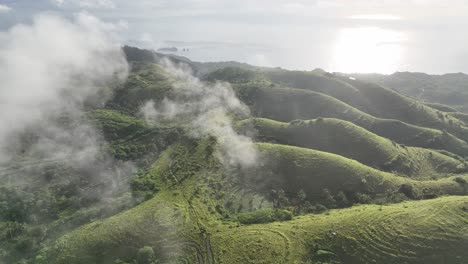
{"type": "Point", "coordinates": [85, 59]}
{"type": "Point", "coordinates": [208, 109]}
{"type": "Point", "coordinates": [375, 17]}
{"type": "Point", "coordinates": [87, 4]}
{"type": "Point", "coordinates": [96, 4]}
{"type": "Point", "coordinates": [146, 37]}
{"type": "Point", "coordinates": [4, 8]}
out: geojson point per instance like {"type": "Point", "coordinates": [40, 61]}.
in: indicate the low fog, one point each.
{"type": "Point", "coordinates": [52, 68]}
{"type": "Point", "coordinates": [51, 72]}
{"type": "Point", "coordinates": [209, 109]}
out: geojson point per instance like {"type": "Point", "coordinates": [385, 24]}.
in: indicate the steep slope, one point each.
{"type": "Point", "coordinates": [372, 99]}
{"type": "Point", "coordinates": [448, 89]}
{"type": "Point", "coordinates": [348, 140]}
{"type": "Point", "coordinates": [187, 221]}
{"type": "Point", "coordinates": [147, 81]}
{"type": "Point", "coordinates": [413, 232]}
{"type": "Point", "coordinates": [460, 116]}
{"type": "Point", "coordinates": [441, 107]}
{"type": "Point", "coordinates": [390, 104]}
{"type": "Point", "coordinates": [336, 189]}
{"type": "Point", "coordinates": [294, 169]}
{"type": "Point", "coordinates": [289, 104]}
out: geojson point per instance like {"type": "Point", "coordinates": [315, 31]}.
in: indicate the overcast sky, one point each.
{"type": "Point", "coordinates": [336, 35]}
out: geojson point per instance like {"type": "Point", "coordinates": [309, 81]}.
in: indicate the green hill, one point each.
{"type": "Point", "coordinates": [351, 141]}
{"type": "Point", "coordinates": [323, 169]}
{"type": "Point", "coordinates": [448, 89]}
{"type": "Point", "coordinates": [290, 104]}
{"type": "Point", "coordinates": [412, 232]}
{"type": "Point", "coordinates": [371, 98]}
{"type": "Point", "coordinates": [294, 169]}
{"type": "Point", "coordinates": [188, 222]}
{"type": "Point", "coordinates": [441, 107]}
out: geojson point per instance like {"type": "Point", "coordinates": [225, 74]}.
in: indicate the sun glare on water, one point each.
{"type": "Point", "coordinates": [368, 49]}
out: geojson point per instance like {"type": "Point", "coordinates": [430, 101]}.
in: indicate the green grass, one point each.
{"type": "Point", "coordinates": [372, 99]}
{"type": "Point", "coordinates": [391, 104]}
{"type": "Point", "coordinates": [441, 107]}
{"type": "Point", "coordinates": [147, 81]}
{"type": "Point", "coordinates": [181, 223]}
{"type": "Point", "coordinates": [198, 211]}
{"type": "Point", "coordinates": [351, 141]}
{"type": "Point", "coordinates": [460, 116]}
{"type": "Point", "coordinates": [171, 220]}
{"type": "Point", "coordinates": [234, 75]}
{"type": "Point", "coordinates": [261, 216]}
{"type": "Point", "coordinates": [294, 169]}
{"type": "Point", "coordinates": [290, 104]}
{"type": "Point", "coordinates": [433, 231]}
{"type": "Point", "coordinates": [131, 138]}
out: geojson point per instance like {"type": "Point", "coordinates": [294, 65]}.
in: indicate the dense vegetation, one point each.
{"type": "Point", "coordinates": [346, 172]}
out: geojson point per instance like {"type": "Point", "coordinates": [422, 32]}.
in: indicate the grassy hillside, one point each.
{"type": "Point", "coordinates": [390, 104]}
{"type": "Point", "coordinates": [413, 232]}
{"type": "Point", "coordinates": [460, 116]}
{"type": "Point", "coordinates": [348, 140]}
{"type": "Point", "coordinates": [343, 172]}
{"type": "Point", "coordinates": [447, 89]}
{"type": "Point", "coordinates": [290, 104]}
{"type": "Point", "coordinates": [147, 81]}
{"type": "Point", "coordinates": [441, 107]}
{"type": "Point", "coordinates": [188, 222]}
{"type": "Point", "coordinates": [371, 98]}
{"type": "Point", "coordinates": [294, 169]}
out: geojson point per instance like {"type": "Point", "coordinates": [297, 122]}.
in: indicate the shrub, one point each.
{"type": "Point", "coordinates": [341, 200]}
{"type": "Point", "coordinates": [327, 199]}
{"type": "Point", "coordinates": [460, 180]}
{"type": "Point", "coordinates": [145, 255]}
{"type": "Point", "coordinates": [407, 189]}
{"type": "Point", "coordinates": [308, 208]}
{"type": "Point", "coordinates": [264, 216]}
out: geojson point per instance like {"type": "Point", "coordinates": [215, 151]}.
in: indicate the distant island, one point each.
{"type": "Point", "coordinates": [168, 49]}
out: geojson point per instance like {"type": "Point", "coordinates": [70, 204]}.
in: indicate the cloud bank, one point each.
{"type": "Point", "coordinates": [51, 72]}
{"type": "Point", "coordinates": [87, 4]}
{"type": "Point", "coordinates": [4, 8]}
{"type": "Point", "coordinates": [209, 108]}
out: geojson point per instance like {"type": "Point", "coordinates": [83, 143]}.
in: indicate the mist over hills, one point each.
{"type": "Point", "coordinates": [226, 162]}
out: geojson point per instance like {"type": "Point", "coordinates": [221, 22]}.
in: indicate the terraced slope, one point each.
{"type": "Point", "coordinates": [351, 141]}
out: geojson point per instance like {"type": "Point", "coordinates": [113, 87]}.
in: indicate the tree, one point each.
{"type": "Point", "coordinates": [341, 200]}
{"type": "Point", "coordinates": [283, 200]}
{"type": "Point", "coordinates": [145, 255]}
{"type": "Point", "coordinates": [301, 196]}
{"type": "Point", "coordinates": [327, 199]}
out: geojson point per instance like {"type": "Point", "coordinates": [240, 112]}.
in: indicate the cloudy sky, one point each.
{"type": "Point", "coordinates": [336, 35]}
